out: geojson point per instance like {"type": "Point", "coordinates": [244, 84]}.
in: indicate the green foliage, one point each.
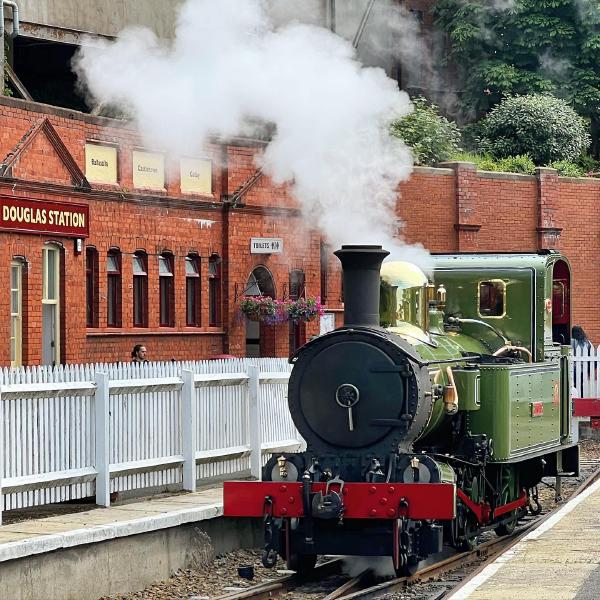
{"type": "Point", "coordinates": [431, 137]}
{"type": "Point", "coordinates": [544, 127]}
{"type": "Point", "coordinates": [588, 164]}
{"type": "Point", "coordinates": [525, 47]}
{"type": "Point", "coordinates": [521, 163]}
{"type": "Point", "coordinates": [566, 168]}
{"type": "Point", "coordinates": [486, 162]}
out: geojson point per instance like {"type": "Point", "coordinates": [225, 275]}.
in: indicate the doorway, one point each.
{"type": "Point", "coordinates": [259, 338]}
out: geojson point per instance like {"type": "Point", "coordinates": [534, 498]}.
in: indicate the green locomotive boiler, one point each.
{"type": "Point", "coordinates": [430, 416]}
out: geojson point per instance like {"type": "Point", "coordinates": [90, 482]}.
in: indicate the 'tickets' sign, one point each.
{"type": "Point", "coordinates": [18, 214]}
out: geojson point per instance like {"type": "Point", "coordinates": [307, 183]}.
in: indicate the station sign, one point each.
{"type": "Point", "coordinates": [148, 170]}
{"type": "Point", "coordinates": [101, 163]}
{"type": "Point", "coordinates": [33, 216]}
{"type": "Point", "coordinates": [196, 176]}
{"type": "Point", "coordinates": [266, 245]}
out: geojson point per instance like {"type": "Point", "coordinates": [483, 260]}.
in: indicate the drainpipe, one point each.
{"type": "Point", "coordinates": [13, 35]}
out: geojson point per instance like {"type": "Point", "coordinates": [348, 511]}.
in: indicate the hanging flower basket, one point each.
{"type": "Point", "coordinates": [304, 309]}
{"type": "Point", "coordinates": [273, 312]}
{"type": "Point", "coordinates": [258, 308]}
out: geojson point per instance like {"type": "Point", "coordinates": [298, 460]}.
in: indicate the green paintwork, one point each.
{"type": "Point", "coordinates": [502, 406]}
{"type": "Point", "coordinates": [507, 394]}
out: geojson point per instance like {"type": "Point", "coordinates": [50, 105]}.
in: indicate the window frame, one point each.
{"type": "Point", "coordinates": [16, 317]}
{"type": "Point", "coordinates": [214, 290]}
{"type": "Point", "coordinates": [166, 290]}
{"type": "Point", "coordinates": [502, 284]}
{"type": "Point", "coordinates": [193, 292]}
{"type": "Point", "coordinates": [140, 290]}
{"type": "Point", "coordinates": [92, 296]}
{"type": "Point", "coordinates": [114, 289]}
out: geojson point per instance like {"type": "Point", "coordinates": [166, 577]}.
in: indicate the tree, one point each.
{"type": "Point", "coordinates": [543, 127]}
{"type": "Point", "coordinates": [507, 47]}
{"type": "Point", "coordinates": [431, 137]}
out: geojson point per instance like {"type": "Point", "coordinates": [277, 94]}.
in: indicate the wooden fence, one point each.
{"type": "Point", "coordinates": [586, 372]}
{"type": "Point", "coordinates": [76, 431]}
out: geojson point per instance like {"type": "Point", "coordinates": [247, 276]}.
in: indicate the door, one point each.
{"type": "Point", "coordinates": [51, 305]}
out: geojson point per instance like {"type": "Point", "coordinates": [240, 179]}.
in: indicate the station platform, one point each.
{"type": "Point", "coordinates": [103, 551]}
{"type": "Point", "coordinates": [559, 560]}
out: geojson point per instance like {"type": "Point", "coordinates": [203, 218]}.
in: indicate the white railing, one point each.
{"type": "Point", "coordinates": [82, 430]}
{"type": "Point", "coordinates": [586, 372]}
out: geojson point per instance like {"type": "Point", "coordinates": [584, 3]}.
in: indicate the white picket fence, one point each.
{"type": "Point", "coordinates": [77, 431]}
{"type": "Point", "coordinates": [586, 372]}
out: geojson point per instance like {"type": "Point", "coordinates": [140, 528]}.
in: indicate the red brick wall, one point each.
{"type": "Point", "coordinates": [444, 209]}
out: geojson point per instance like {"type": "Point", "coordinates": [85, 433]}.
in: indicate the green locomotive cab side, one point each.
{"type": "Point", "coordinates": [511, 314]}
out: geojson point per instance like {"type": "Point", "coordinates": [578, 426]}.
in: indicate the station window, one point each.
{"type": "Point", "coordinates": [492, 298]}
{"type": "Point", "coordinates": [92, 301]}
{"type": "Point", "coordinates": [324, 271]}
{"type": "Point", "coordinates": [214, 290]}
{"type": "Point", "coordinates": [16, 313]}
{"type": "Point", "coordinates": [192, 290]}
{"type": "Point", "coordinates": [113, 288]}
{"type": "Point", "coordinates": [167, 290]}
{"type": "Point", "coordinates": [140, 289]}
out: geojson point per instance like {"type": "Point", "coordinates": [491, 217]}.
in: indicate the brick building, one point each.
{"type": "Point", "coordinates": [141, 262]}
{"type": "Point", "coordinates": [92, 266]}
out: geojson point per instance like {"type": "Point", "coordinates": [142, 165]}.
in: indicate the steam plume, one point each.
{"type": "Point", "coordinates": [229, 66]}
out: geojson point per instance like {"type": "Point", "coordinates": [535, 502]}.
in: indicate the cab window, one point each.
{"type": "Point", "coordinates": [492, 298]}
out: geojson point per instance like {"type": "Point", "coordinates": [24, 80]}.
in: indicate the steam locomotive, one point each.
{"type": "Point", "coordinates": [430, 416]}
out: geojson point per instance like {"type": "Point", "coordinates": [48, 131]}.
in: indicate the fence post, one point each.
{"type": "Point", "coordinates": [189, 430]}
{"type": "Point", "coordinates": [254, 422]}
{"type": "Point", "coordinates": [101, 403]}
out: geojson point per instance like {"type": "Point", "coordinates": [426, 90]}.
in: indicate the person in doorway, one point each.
{"type": "Point", "coordinates": [582, 376]}
{"type": "Point", "coordinates": [579, 339]}
{"type": "Point", "coordinates": [138, 354]}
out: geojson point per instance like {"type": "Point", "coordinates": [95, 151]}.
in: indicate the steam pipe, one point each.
{"type": "Point", "coordinates": [362, 25]}
{"type": "Point", "coordinates": [361, 266]}
{"type": "Point", "coordinates": [15, 13]}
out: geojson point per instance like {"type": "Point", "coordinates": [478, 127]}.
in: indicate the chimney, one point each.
{"type": "Point", "coordinates": [361, 266]}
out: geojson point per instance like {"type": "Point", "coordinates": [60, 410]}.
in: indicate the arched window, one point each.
{"type": "Point", "coordinates": [167, 290]}
{"type": "Point", "coordinates": [214, 290]}
{"type": "Point", "coordinates": [140, 289]}
{"type": "Point", "coordinates": [92, 297]}
{"type": "Point", "coordinates": [192, 290]}
{"type": "Point", "coordinates": [113, 288]}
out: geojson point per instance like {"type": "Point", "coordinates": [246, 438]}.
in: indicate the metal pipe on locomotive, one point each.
{"type": "Point", "coordinates": [431, 415]}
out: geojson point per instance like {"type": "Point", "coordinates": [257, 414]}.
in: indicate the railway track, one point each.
{"type": "Point", "coordinates": [359, 587]}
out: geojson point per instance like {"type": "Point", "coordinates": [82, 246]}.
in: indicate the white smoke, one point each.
{"type": "Point", "coordinates": [229, 66]}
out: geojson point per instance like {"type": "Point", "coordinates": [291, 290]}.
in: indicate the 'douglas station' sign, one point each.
{"type": "Point", "coordinates": [20, 214]}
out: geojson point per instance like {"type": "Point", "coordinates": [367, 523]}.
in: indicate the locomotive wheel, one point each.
{"type": "Point", "coordinates": [302, 563]}
{"type": "Point", "coordinates": [410, 567]}
{"type": "Point", "coordinates": [508, 527]}
{"type": "Point", "coordinates": [463, 530]}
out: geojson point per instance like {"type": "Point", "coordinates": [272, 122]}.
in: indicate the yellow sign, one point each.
{"type": "Point", "coordinates": [196, 176]}
{"type": "Point", "coordinates": [101, 163]}
{"type": "Point", "coordinates": [148, 170]}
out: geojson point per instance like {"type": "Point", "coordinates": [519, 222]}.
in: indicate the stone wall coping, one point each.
{"type": "Point", "coordinates": [433, 170]}
{"type": "Point", "coordinates": [505, 176]}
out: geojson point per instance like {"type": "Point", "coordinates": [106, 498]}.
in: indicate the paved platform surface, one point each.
{"type": "Point", "coordinates": [36, 536]}
{"type": "Point", "coordinates": [558, 561]}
